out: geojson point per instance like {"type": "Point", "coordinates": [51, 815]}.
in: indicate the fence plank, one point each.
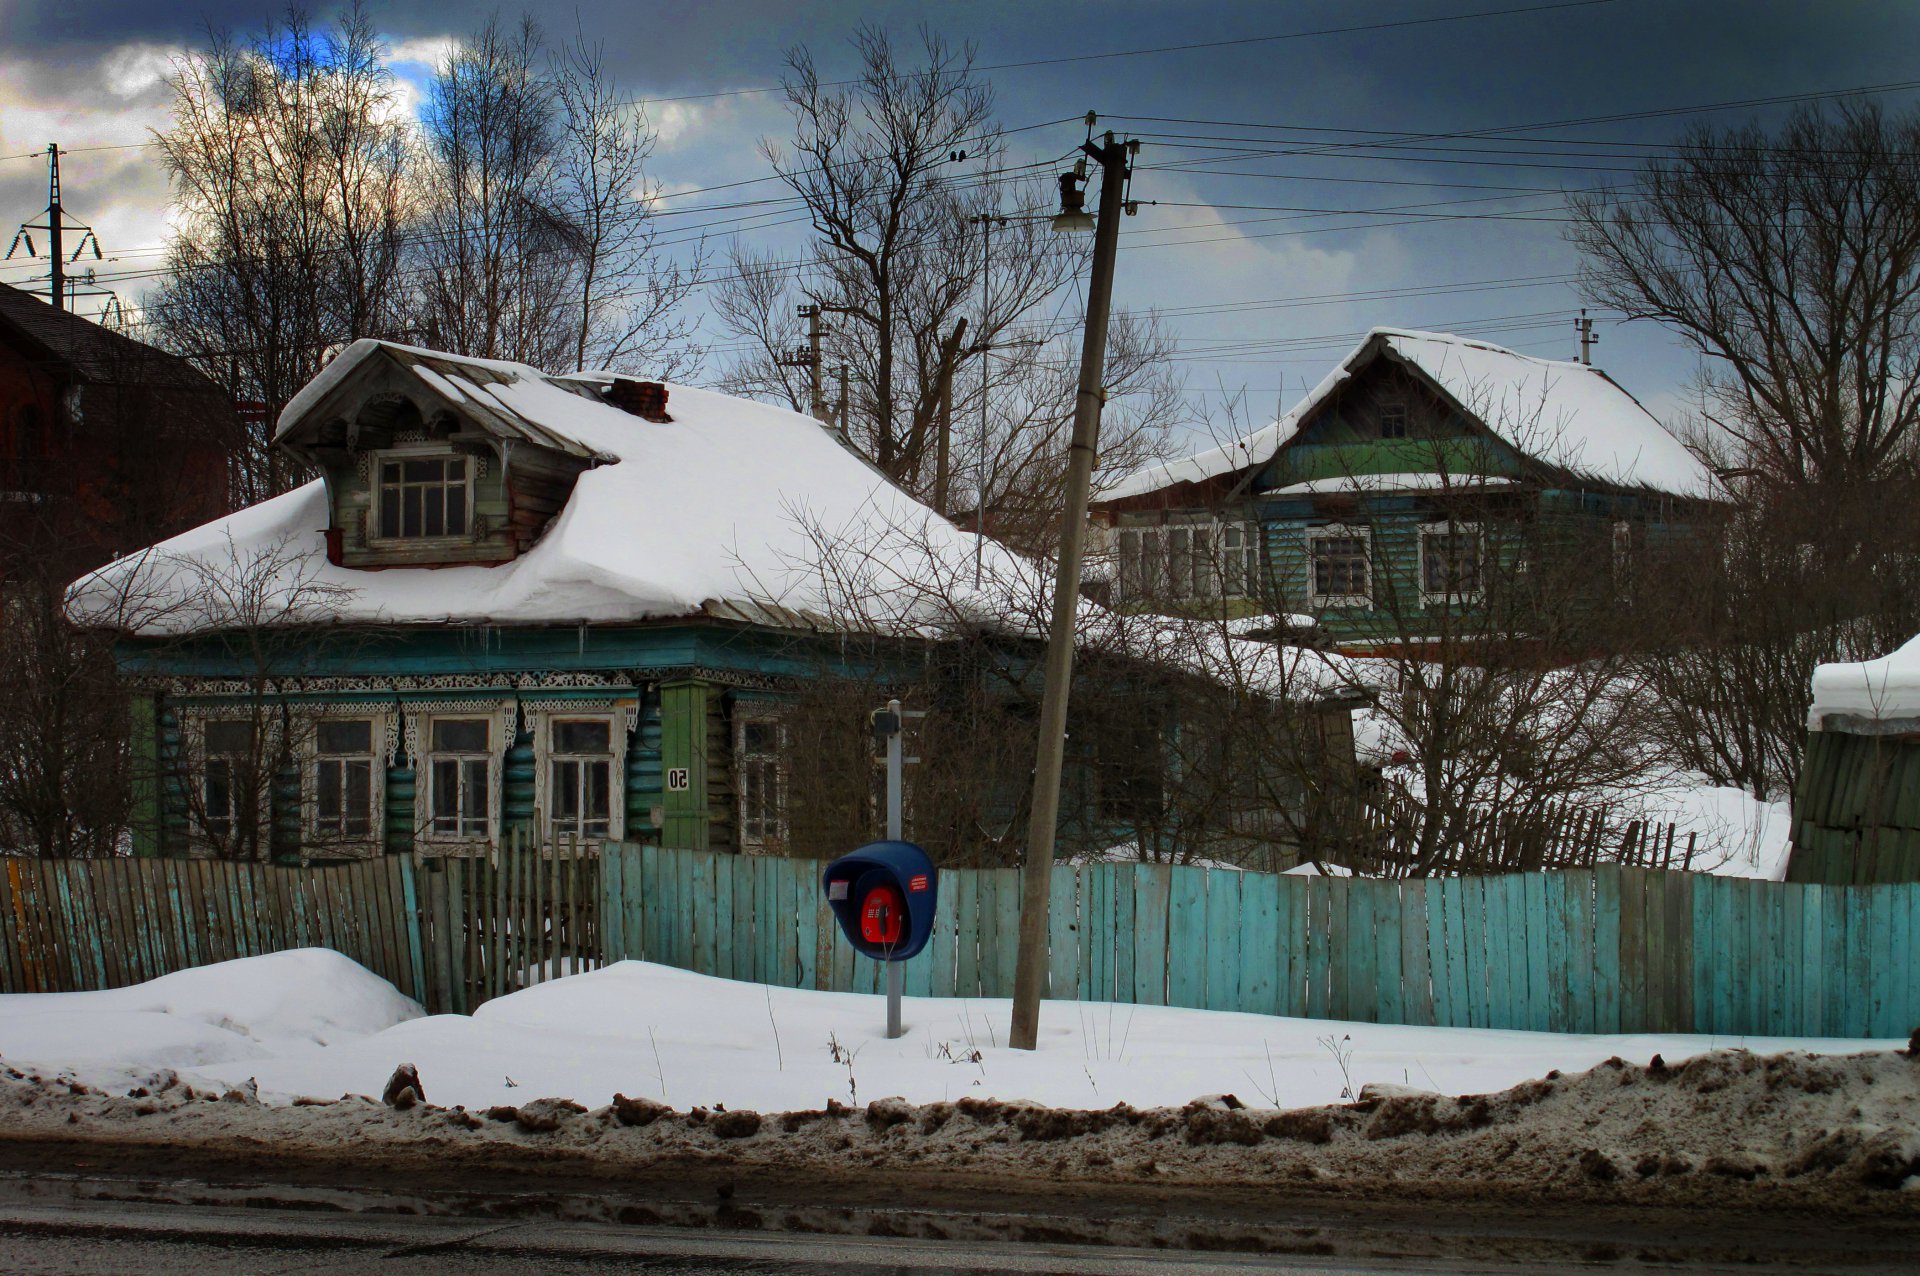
{"type": "Point", "coordinates": [1063, 933]}
{"type": "Point", "coordinates": [1258, 933]}
{"type": "Point", "coordinates": [1126, 937]}
{"type": "Point", "coordinates": [1416, 978]}
{"type": "Point", "coordinates": [1290, 942]}
{"type": "Point", "coordinates": [1184, 958]}
{"type": "Point", "coordinates": [1152, 917]}
{"type": "Point", "coordinates": [1224, 937]}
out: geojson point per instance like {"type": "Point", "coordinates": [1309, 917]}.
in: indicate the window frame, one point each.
{"type": "Point", "coordinates": [426, 785]}
{"type": "Point", "coordinates": [376, 504]}
{"type": "Point", "coordinates": [1339, 531]}
{"type": "Point", "coordinates": [743, 765]}
{"type": "Point", "coordinates": [380, 756]}
{"type": "Point", "coordinates": [621, 716]}
{"type": "Point", "coordinates": [266, 742]}
{"type": "Point", "coordinates": [1446, 527]}
{"type": "Point", "coordinates": [1403, 416]}
{"type": "Point", "coordinates": [1147, 560]}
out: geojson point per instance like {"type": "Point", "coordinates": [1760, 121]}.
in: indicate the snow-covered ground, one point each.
{"type": "Point", "coordinates": [313, 1023]}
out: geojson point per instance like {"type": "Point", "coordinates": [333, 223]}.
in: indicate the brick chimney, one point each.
{"type": "Point", "coordinates": [645, 399]}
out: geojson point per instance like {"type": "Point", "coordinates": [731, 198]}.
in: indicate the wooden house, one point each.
{"type": "Point", "coordinates": [570, 605]}
{"type": "Point", "coordinates": [1385, 505]}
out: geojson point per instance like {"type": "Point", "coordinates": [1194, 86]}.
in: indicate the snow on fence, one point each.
{"type": "Point", "coordinates": [1608, 949]}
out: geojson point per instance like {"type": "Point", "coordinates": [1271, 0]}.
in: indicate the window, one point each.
{"type": "Point", "coordinates": [1339, 567]}
{"type": "Point", "coordinates": [760, 773]}
{"type": "Point", "coordinates": [580, 777]}
{"type": "Point", "coordinates": [227, 768]}
{"type": "Point", "coordinates": [1239, 560]}
{"type": "Point", "coordinates": [1393, 421]}
{"type": "Point", "coordinates": [1186, 561]}
{"type": "Point", "coordinates": [459, 792]}
{"type": "Point", "coordinates": [1450, 562]}
{"type": "Point", "coordinates": [423, 496]}
{"type": "Point", "coordinates": [343, 779]}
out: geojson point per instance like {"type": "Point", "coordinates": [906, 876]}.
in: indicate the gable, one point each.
{"type": "Point", "coordinates": [1381, 424]}
{"type": "Point", "coordinates": [422, 469]}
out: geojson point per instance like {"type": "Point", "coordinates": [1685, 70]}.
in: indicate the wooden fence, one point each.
{"type": "Point", "coordinates": [1608, 949]}
{"type": "Point", "coordinates": [449, 933]}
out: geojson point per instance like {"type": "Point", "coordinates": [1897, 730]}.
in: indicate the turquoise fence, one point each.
{"type": "Point", "coordinates": [1608, 949]}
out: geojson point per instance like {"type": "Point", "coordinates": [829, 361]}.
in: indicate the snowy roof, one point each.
{"type": "Point", "coordinates": [722, 511]}
{"type": "Point", "coordinates": [733, 510]}
{"type": "Point", "coordinates": [1859, 695]}
{"type": "Point", "coordinates": [1563, 414]}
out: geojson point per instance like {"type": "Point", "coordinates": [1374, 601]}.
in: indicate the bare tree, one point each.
{"type": "Point", "coordinates": [1790, 262]}
{"type": "Point", "coordinates": [289, 167]}
{"type": "Point", "coordinates": [906, 246]}
{"type": "Point", "coordinates": [496, 254]}
{"type": "Point", "coordinates": [629, 298]}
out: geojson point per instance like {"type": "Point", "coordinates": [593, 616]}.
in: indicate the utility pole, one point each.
{"type": "Point", "coordinates": [55, 226]}
{"type": "Point", "coordinates": [840, 421]}
{"type": "Point", "coordinates": [809, 358]}
{"type": "Point", "coordinates": [1588, 338]}
{"type": "Point", "coordinates": [1030, 973]}
{"type": "Point", "coordinates": [943, 447]}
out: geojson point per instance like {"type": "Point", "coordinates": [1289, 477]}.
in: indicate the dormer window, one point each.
{"type": "Point", "coordinates": [422, 496]}
{"type": "Point", "coordinates": [1393, 421]}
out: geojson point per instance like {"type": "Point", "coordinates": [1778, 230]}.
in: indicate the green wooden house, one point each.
{"type": "Point", "coordinates": [517, 604]}
{"type": "Point", "coordinates": [1388, 505]}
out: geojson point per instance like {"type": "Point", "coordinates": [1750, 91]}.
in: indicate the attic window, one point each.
{"type": "Point", "coordinates": [422, 496]}
{"type": "Point", "coordinates": [1393, 421]}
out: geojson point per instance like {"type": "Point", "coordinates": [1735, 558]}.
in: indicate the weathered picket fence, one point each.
{"type": "Point", "coordinates": [1608, 949]}
{"type": "Point", "coordinates": [449, 933]}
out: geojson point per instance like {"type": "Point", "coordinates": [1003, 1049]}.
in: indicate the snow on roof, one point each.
{"type": "Point", "coordinates": [1868, 691]}
{"type": "Point", "coordinates": [1564, 414]}
{"type": "Point", "coordinates": [723, 509]}
{"type": "Point", "coordinates": [734, 509]}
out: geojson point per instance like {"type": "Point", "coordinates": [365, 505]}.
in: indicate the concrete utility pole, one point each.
{"type": "Point", "coordinates": [1030, 974]}
{"type": "Point", "coordinates": [1588, 338]}
{"type": "Point", "coordinates": [943, 446]}
{"type": "Point", "coordinates": [809, 359]}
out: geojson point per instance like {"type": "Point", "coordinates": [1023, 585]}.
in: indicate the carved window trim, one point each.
{"type": "Point", "coordinates": [385, 722]}
{"type": "Point", "coordinates": [193, 757]}
{"type": "Point", "coordinates": [503, 725]}
{"type": "Point", "coordinates": [622, 713]}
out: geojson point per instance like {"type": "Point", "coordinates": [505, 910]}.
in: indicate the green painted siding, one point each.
{"type": "Point", "coordinates": [683, 745]}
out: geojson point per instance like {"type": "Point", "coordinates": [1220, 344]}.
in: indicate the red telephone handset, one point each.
{"type": "Point", "coordinates": [882, 916]}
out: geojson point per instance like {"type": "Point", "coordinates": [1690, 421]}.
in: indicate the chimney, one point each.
{"type": "Point", "coordinates": [645, 399]}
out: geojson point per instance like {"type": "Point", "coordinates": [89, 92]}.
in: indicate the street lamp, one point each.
{"type": "Point", "coordinates": [1030, 970]}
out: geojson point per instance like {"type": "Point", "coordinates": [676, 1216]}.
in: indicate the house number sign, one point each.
{"type": "Point", "coordinates": [677, 779]}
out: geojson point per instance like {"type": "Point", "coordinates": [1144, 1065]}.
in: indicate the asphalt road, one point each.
{"type": "Point", "coordinates": [120, 1238]}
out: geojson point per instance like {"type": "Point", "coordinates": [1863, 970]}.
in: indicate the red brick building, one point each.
{"type": "Point", "coordinates": [106, 444]}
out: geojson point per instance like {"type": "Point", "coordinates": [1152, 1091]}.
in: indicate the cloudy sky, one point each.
{"type": "Point", "coordinates": [1267, 261]}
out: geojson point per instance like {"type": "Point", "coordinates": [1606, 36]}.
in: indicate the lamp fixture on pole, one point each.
{"type": "Point", "coordinates": [1030, 971]}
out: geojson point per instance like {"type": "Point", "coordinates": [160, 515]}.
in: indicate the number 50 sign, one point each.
{"type": "Point", "coordinates": [677, 781]}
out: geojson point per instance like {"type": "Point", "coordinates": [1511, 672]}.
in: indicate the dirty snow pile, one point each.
{"type": "Point", "coordinates": [311, 1023]}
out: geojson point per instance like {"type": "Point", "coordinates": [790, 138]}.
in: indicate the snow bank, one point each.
{"type": "Point", "coordinates": [255, 1008]}
{"type": "Point", "coordinates": [313, 1024]}
{"type": "Point", "coordinates": [1873, 690]}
